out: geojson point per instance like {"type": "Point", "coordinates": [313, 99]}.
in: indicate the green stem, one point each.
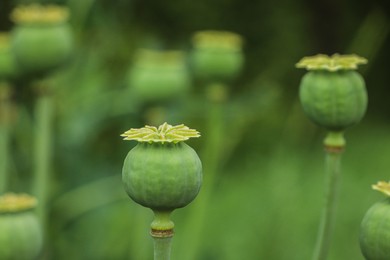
{"type": "Point", "coordinates": [334, 140]}
{"type": "Point", "coordinates": [162, 248]}
{"type": "Point", "coordinates": [162, 221]}
{"type": "Point", "coordinates": [333, 158]}
{"type": "Point", "coordinates": [43, 150]}
{"type": "Point", "coordinates": [4, 135]}
{"type": "Point", "coordinates": [162, 233]}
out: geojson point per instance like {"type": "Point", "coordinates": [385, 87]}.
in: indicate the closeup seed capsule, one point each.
{"type": "Point", "coordinates": [217, 55]}
{"type": "Point", "coordinates": [20, 230]}
{"type": "Point", "coordinates": [375, 227]}
{"type": "Point", "coordinates": [332, 94]}
{"type": "Point", "coordinates": [42, 38]}
{"type": "Point", "coordinates": [162, 172]}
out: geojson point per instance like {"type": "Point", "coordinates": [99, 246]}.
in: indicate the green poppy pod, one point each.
{"type": "Point", "coordinates": [331, 93]}
{"type": "Point", "coordinates": [8, 66]}
{"type": "Point", "coordinates": [42, 38]}
{"type": "Point", "coordinates": [20, 231]}
{"type": "Point", "coordinates": [162, 172]}
{"type": "Point", "coordinates": [375, 227]}
{"type": "Point", "coordinates": [217, 55]}
{"type": "Point", "coordinates": [159, 75]}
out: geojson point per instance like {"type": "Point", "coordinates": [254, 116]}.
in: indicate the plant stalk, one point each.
{"type": "Point", "coordinates": [4, 135]}
{"type": "Point", "coordinates": [334, 145]}
{"type": "Point", "coordinates": [43, 150]}
{"type": "Point", "coordinates": [162, 233]}
{"type": "Point", "coordinates": [162, 248]}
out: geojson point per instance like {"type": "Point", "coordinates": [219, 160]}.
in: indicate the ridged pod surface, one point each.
{"type": "Point", "coordinates": [375, 227]}
{"type": "Point", "coordinates": [162, 176]}
{"type": "Point", "coordinates": [162, 172]}
{"type": "Point", "coordinates": [332, 94]}
{"type": "Point", "coordinates": [334, 100]}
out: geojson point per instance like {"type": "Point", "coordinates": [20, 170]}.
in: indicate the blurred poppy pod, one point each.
{"type": "Point", "coordinates": [332, 94]}
{"type": "Point", "coordinates": [20, 230]}
{"type": "Point", "coordinates": [375, 227]}
{"type": "Point", "coordinates": [159, 75]}
{"type": "Point", "coordinates": [217, 55]}
{"type": "Point", "coordinates": [8, 66]}
{"type": "Point", "coordinates": [42, 38]}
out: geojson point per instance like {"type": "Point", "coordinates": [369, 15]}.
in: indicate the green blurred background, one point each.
{"type": "Point", "coordinates": [263, 159]}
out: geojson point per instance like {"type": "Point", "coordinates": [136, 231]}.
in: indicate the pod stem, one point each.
{"type": "Point", "coordinates": [334, 146]}
{"type": "Point", "coordinates": [162, 248]}
{"type": "Point", "coordinates": [162, 233]}
{"type": "Point", "coordinates": [4, 134]}
{"type": "Point", "coordinates": [43, 148]}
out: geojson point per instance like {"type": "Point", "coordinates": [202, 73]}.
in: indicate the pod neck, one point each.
{"type": "Point", "coordinates": [162, 225]}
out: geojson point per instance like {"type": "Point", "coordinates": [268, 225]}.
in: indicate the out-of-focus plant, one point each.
{"type": "Point", "coordinates": [8, 71]}
{"type": "Point", "coordinates": [162, 173]}
{"type": "Point", "coordinates": [42, 42]}
{"type": "Point", "coordinates": [334, 97]}
{"type": "Point", "coordinates": [8, 65]}
{"type": "Point", "coordinates": [21, 233]}
{"type": "Point", "coordinates": [217, 55]}
{"type": "Point", "coordinates": [91, 102]}
{"type": "Point", "coordinates": [42, 38]}
{"type": "Point", "coordinates": [158, 78]}
{"type": "Point", "coordinates": [216, 59]}
{"type": "Point", "coordinates": [375, 227]}
{"type": "Point", "coordinates": [159, 75]}
{"type": "Point", "coordinates": [5, 109]}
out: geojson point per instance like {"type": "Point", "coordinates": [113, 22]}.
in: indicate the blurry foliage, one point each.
{"type": "Point", "coordinates": [267, 196]}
